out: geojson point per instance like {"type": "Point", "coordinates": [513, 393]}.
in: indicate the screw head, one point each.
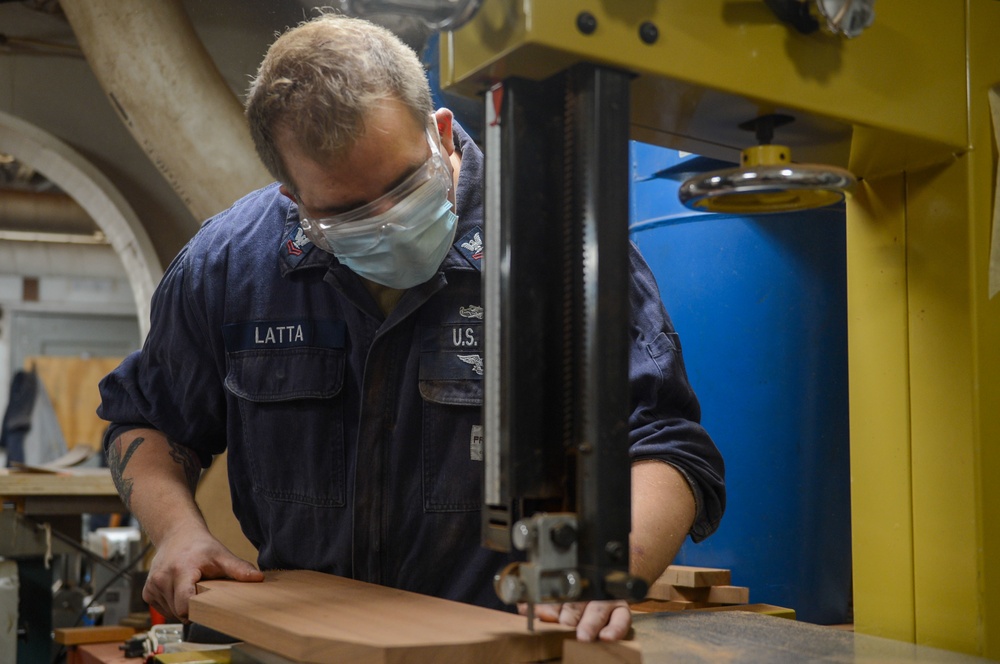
{"type": "Point", "coordinates": [615, 551]}
{"type": "Point", "coordinates": [586, 23]}
{"type": "Point", "coordinates": [648, 32]}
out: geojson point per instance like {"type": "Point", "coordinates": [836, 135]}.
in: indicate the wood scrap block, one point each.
{"type": "Point", "coordinates": [766, 609]}
{"type": "Point", "coordinates": [324, 619]}
{"type": "Point", "coordinates": [657, 605]}
{"type": "Point", "coordinates": [71, 636]}
{"type": "Point", "coordinates": [694, 577]}
{"type": "Point", "coordinates": [713, 594]}
{"type": "Point", "coordinates": [602, 652]}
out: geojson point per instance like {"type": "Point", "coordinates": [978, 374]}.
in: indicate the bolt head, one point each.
{"type": "Point", "coordinates": [522, 535]}
{"type": "Point", "coordinates": [586, 23]}
{"type": "Point", "coordinates": [648, 32]}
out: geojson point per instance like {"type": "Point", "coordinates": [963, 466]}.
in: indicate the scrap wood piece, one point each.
{"type": "Point", "coordinates": [657, 605]}
{"type": "Point", "coordinates": [323, 619]}
{"type": "Point", "coordinates": [766, 609]}
{"type": "Point", "coordinates": [71, 636]}
{"type": "Point", "coordinates": [602, 652]}
{"type": "Point", "coordinates": [712, 594]}
{"type": "Point", "coordinates": [694, 577]}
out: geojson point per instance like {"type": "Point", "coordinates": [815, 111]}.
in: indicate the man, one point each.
{"type": "Point", "coordinates": [310, 329]}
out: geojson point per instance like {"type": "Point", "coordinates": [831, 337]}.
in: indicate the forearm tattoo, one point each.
{"type": "Point", "coordinates": [117, 462]}
{"type": "Point", "coordinates": [188, 460]}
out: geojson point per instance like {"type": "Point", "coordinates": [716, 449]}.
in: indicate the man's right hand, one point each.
{"type": "Point", "coordinates": [156, 479]}
{"type": "Point", "coordinates": [182, 560]}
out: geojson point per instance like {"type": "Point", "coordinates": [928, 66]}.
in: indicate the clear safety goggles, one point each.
{"type": "Point", "coordinates": [432, 174]}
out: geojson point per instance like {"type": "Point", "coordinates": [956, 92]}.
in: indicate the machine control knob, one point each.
{"type": "Point", "coordinates": [563, 535]}
{"type": "Point", "coordinates": [509, 586]}
{"type": "Point", "coordinates": [523, 535]}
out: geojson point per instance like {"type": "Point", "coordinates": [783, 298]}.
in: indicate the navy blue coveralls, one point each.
{"type": "Point", "coordinates": [353, 436]}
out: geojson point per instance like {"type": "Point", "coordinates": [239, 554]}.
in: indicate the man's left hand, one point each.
{"type": "Point", "coordinates": [603, 620]}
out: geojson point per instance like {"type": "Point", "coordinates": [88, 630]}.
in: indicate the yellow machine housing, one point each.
{"type": "Point", "coordinates": [904, 107]}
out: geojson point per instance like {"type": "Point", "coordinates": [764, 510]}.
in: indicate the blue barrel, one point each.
{"type": "Point", "coordinates": [761, 307]}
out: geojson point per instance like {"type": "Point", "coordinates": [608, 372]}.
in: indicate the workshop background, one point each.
{"type": "Point", "coordinates": [104, 176]}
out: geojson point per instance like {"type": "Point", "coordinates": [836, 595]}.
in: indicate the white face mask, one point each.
{"type": "Point", "coordinates": [404, 245]}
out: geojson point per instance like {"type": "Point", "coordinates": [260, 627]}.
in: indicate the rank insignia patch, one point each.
{"type": "Point", "coordinates": [471, 246]}
{"type": "Point", "coordinates": [295, 246]}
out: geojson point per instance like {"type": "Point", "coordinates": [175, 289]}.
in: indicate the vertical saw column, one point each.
{"type": "Point", "coordinates": [556, 283]}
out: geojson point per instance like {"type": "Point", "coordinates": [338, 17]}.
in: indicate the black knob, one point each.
{"type": "Point", "coordinates": [586, 23]}
{"type": "Point", "coordinates": [648, 32]}
{"type": "Point", "coordinates": [563, 535]}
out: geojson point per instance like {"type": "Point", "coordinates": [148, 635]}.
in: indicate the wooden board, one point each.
{"type": "Point", "coordinates": [766, 609]}
{"type": "Point", "coordinates": [712, 594]}
{"type": "Point", "coordinates": [69, 492]}
{"type": "Point", "coordinates": [80, 482]}
{"type": "Point", "coordinates": [71, 636]}
{"type": "Point", "coordinates": [655, 605]}
{"type": "Point", "coordinates": [320, 618]}
{"type": "Point", "coordinates": [72, 386]}
{"type": "Point", "coordinates": [694, 577]}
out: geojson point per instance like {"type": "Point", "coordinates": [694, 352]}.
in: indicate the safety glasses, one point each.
{"type": "Point", "coordinates": [432, 172]}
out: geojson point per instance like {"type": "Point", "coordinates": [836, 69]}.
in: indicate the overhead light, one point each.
{"type": "Point", "coordinates": [766, 180]}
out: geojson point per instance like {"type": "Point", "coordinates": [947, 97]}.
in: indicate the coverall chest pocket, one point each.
{"type": "Point", "coordinates": [291, 413]}
{"type": "Point", "coordinates": [450, 381]}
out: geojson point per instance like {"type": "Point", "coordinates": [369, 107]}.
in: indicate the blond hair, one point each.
{"type": "Point", "coordinates": [320, 80]}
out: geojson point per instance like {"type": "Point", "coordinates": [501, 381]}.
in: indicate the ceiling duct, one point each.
{"type": "Point", "coordinates": [43, 212]}
{"type": "Point", "coordinates": [167, 90]}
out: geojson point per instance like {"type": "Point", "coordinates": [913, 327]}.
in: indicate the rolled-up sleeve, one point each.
{"type": "Point", "coordinates": [665, 422]}
{"type": "Point", "coordinates": [172, 384]}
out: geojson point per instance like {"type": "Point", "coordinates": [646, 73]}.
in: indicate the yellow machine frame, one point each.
{"type": "Point", "coordinates": [903, 106]}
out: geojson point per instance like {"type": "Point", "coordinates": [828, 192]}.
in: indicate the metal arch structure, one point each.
{"type": "Point", "coordinates": [905, 108]}
{"type": "Point", "coordinates": [92, 190]}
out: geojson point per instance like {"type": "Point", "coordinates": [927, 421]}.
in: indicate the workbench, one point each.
{"type": "Point", "coordinates": [41, 518]}
{"type": "Point", "coordinates": [41, 511]}
{"type": "Point", "coordinates": [79, 491]}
